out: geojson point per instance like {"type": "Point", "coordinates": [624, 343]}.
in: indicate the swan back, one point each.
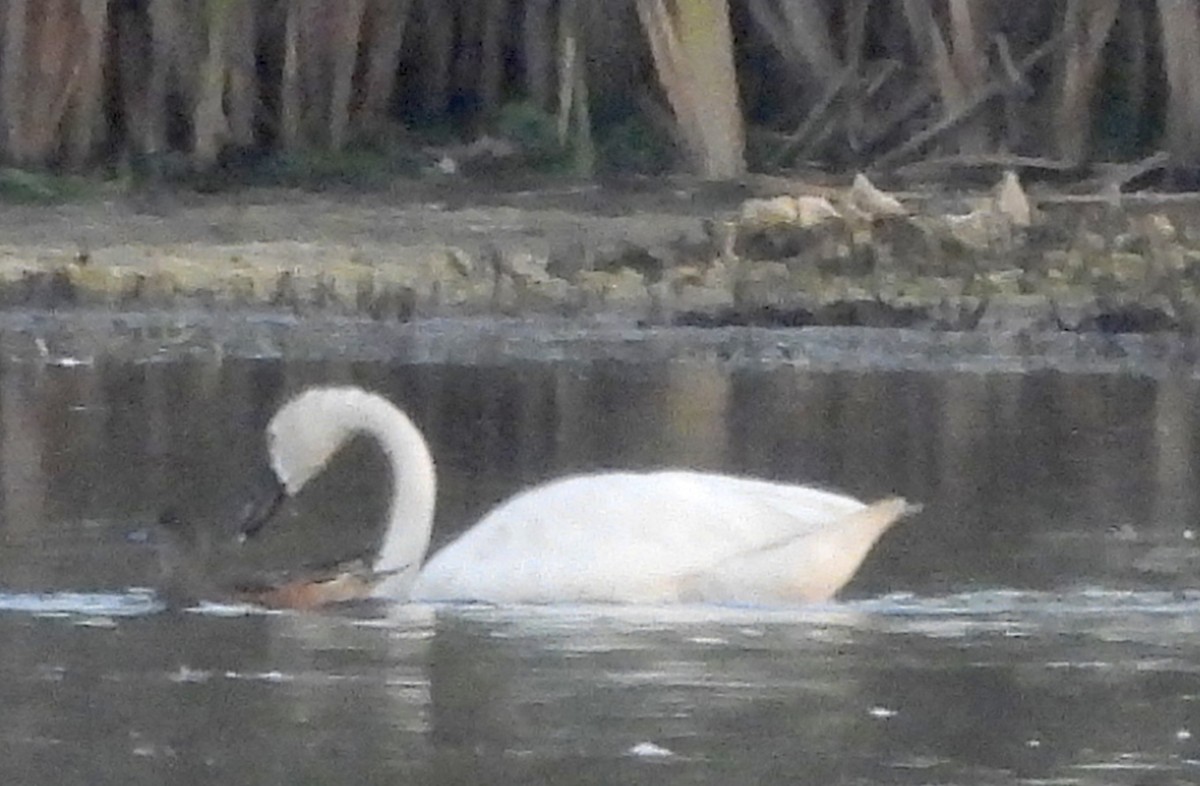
{"type": "Point", "coordinates": [660, 537]}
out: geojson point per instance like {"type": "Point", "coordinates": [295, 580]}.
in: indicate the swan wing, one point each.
{"type": "Point", "coordinates": [625, 537]}
{"type": "Point", "coordinates": [809, 568]}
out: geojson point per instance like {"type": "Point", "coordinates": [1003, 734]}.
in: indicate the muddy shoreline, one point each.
{"type": "Point", "coordinates": [670, 258]}
{"type": "Point", "coordinates": [66, 339]}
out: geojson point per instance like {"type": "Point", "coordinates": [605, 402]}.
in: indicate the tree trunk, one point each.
{"type": "Point", "coordinates": [1136, 49]}
{"type": "Point", "coordinates": [1132, 32]}
{"type": "Point", "coordinates": [438, 53]}
{"type": "Point", "coordinates": [536, 47]}
{"type": "Point", "coordinates": [52, 68]}
{"type": "Point", "coordinates": [1181, 61]}
{"type": "Point", "coordinates": [241, 90]}
{"type": "Point", "coordinates": [856, 36]}
{"type": "Point", "coordinates": [164, 44]}
{"type": "Point", "coordinates": [209, 126]}
{"type": "Point", "coordinates": [491, 56]}
{"type": "Point", "coordinates": [343, 42]}
{"type": "Point", "coordinates": [315, 54]}
{"type": "Point", "coordinates": [935, 52]}
{"type": "Point", "coordinates": [799, 31]}
{"type": "Point", "coordinates": [289, 85]}
{"type": "Point", "coordinates": [970, 60]}
{"type": "Point", "coordinates": [385, 26]}
{"type": "Point", "coordinates": [693, 54]}
{"type": "Point", "coordinates": [958, 64]}
{"type": "Point", "coordinates": [573, 111]}
{"type": "Point", "coordinates": [12, 78]}
{"type": "Point", "coordinates": [1085, 29]}
{"type": "Point", "coordinates": [87, 120]}
{"type": "Point", "coordinates": [568, 61]}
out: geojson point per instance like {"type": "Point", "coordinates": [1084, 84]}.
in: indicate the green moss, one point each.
{"type": "Point", "coordinates": [358, 167]}
{"type": "Point", "coordinates": [633, 146]}
{"type": "Point", "coordinates": [21, 186]}
{"type": "Point", "coordinates": [1121, 269]}
{"type": "Point", "coordinates": [534, 131]}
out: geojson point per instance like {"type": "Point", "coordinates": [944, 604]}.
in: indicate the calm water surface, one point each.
{"type": "Point", "coordinates": [1037, 623]}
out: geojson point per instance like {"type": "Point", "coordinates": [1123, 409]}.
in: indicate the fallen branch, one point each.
{"type": "Point", "coordinates": [1017, 84]}
{"type": "Point", "coordinates": [822, 119]}
{"type": "Point", "coordinates": [1106, 178]}
{"type": "Point", "coordinates": [816, 116]}
{"type": "Point", "coordinates": [992, 90]}
{"type": "Point", "coordinates": [983, 161]}
{"type": "Point", "coordinates": [1116, 176]}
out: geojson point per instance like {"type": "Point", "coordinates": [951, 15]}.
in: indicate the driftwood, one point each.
{"type": "Point", "coordinates": [1115, 176]}
{"type": "Point", "coordinates": [992, 163]}
{"type": "Point", "coordinates": [821, 110]}
{"type": "Point", "coordinates": [857, 130]}
{"type": "Point", "coordinates": [821, 120]}
{"type": "Point", "coordinates": [992, 90]}
{"type": "Point", "coordinates": [915, 103]}
{"type": "Point", "coordinates": [799, 31]}
{"type": "Point", "coordinates": [1017, 93]}
{"type": "Point", "coordinates": [1099, 180]}
{"type": "Point", "coordinates": [1017, 82]}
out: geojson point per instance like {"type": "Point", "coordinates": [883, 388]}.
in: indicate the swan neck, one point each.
{"type": "Point", "coordinates": [414, 491]}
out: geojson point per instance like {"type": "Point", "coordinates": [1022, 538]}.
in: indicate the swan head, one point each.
{"type": "Point", "coordinates": [310, 429]}
{"type": "Point", "coordinates": [302, 437]}
{"type": "Point", "coordinates": [307, 431]}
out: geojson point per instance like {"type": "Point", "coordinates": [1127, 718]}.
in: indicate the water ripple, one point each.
{"type": "Point", "coordinates": [973, 609]}
{"type": "Point", "coordinates": [134, 602]}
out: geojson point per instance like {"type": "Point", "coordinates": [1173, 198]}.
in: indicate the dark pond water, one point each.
{"type": "Point", "coordinates": [1037, 623]}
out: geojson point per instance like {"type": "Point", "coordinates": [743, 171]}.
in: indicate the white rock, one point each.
{"type": "Point", "coordinates": [870, 200]}
{"type": "Point", "coordinates": [649, 749]}
{"type": "Point", "coordinates": [770, 212]}
{"type": "Point", "coordinates": [813, 210]}
{"type": "Point", "coordinates": [1012, 202]}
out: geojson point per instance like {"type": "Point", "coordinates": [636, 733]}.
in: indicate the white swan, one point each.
{"type": "Point", "coordinates": [654, 537]}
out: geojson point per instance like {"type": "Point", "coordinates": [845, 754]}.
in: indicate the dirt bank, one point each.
{"type": "Point", "coordinates": [669, 253]}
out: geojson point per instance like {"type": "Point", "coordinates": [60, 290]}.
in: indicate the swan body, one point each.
{"type": "Point", "coordinates": [621, 537]}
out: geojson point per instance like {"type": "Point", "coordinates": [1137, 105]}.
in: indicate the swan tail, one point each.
{"type": "Point", "coordinates": [886, 512]}
{"type": "Point", "coordinates": [808, 569]}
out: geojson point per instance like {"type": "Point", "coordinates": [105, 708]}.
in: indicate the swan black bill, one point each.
{"type": "Point", "coordinates": [259, 513]}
